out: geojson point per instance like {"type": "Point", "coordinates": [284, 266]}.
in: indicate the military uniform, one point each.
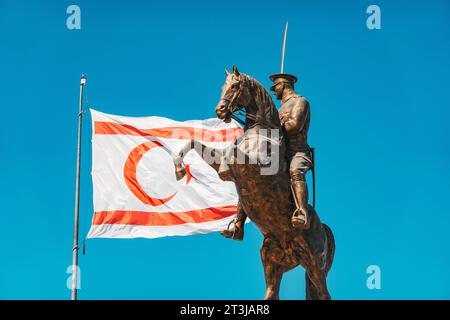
{"type": "Point", "coordinates": [294, 117]}
{"type": "Point", "coordinates": [298, 151]}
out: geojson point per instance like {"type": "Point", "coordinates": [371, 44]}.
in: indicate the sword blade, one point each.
{"type": "Point", "coordinates": [284, 47]}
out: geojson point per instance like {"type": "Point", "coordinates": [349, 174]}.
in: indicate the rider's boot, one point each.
{"type": "Point", "coordinates": [300, 219]}
{"type": "Point", "coordinates": [236, 233]}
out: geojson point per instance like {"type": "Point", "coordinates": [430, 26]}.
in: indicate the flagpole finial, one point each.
{"type": "Point", "coordinates": [83, 80]}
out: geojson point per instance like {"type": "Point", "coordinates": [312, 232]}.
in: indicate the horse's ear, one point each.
{"type": "Point", "coordinates": [235, 71]}
{"type": "Point", "coordinates": [227, 73]}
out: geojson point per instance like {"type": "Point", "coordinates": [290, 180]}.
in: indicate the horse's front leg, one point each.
{"type": "Point", "coordinates": [203, 151]}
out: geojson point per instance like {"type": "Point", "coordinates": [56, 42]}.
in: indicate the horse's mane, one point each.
{"type": "Point", "coordinates": [263, 98]}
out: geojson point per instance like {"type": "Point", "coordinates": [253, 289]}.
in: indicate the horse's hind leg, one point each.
{"type": "Point", "coordinates": [316, 281]}
{"type": "Point", "coordinates": [273, 275]}
{"type": "Point", "coordinates": [273, 271]}
{"type": "Point", "coordinates": [311, 291]}
{"type": "Point", "coordinates": [316, 284]}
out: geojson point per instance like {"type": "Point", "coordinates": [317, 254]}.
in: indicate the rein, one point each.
{"type": "Point", "coordinates": [250, 116]}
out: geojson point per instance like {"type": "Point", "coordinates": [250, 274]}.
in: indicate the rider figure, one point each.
{"type": "Point", "coordinates": [294, 117]}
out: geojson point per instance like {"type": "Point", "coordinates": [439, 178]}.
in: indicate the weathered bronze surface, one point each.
{"type": "Point", "coordinates": [267, 199]}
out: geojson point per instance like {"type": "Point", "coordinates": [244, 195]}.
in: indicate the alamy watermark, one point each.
{"type": "Point", "coordinates": [262, 147]}
{"type": "Point", "coordinates": [74, 278]}
{"type": "Point", "coordinates": [374, 279]}
{"type": "Point", "coordinates": [373, 22]}
{"type": "Point", "coordinates": [73, 21]}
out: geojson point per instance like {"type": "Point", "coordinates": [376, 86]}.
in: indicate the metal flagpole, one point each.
{"type": "Point", "coordinates": [77, 196]}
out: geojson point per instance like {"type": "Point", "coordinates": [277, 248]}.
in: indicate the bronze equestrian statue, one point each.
{"type": "Point", "coordinates": [277, 203]}
{"type": "Point", "coordinates": [294, 117]}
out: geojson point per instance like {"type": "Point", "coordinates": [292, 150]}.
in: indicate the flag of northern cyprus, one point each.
{"type": "Point", "coordinates": [136, 193]}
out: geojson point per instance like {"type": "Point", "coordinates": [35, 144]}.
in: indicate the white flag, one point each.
{"type": "Point", "coordinates": [136, 193]}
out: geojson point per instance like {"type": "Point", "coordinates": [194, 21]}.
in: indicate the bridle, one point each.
{"type": "Point", "coordinates": [239, 111]}
{"type": "Point", "coordinates": [230, 102]}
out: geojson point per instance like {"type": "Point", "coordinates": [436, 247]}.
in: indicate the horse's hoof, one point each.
{"type": "Point", "coordinates": [180, 172]}
{"type": "Point", "coordinates": [225, 174]}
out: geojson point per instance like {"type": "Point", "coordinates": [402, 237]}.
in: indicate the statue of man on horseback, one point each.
{"type": "Point", "coordinates": [294, 117]}
{"type": "Point", "coordinates": [272, 201]}
{"type": "Point", "coordinates": [278, 203]}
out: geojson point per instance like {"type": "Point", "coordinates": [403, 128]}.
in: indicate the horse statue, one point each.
{"type": "Point", "coordinates": [266, 198]}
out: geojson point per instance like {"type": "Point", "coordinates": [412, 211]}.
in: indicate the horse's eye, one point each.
{"type": "Point", "coordinates": [235, 84]}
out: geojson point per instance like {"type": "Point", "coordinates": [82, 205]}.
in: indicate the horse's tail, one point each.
{"type": "Point", "coordinates": [330, 247]}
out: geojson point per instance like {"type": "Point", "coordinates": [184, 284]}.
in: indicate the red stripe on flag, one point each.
{"type": "Point", "coordinates": [185, 133]}
{"type": "Point", "coordinates": [144, 218]}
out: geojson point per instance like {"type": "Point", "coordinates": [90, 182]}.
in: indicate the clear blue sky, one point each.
{"type": "Point", "coordinates": [380, 112]}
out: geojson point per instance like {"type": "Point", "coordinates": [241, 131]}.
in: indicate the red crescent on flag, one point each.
{"type": "Point", "coordinates": [131, 178]}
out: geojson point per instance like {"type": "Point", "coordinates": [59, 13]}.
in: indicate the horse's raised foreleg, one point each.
{"type": "Point", "coordinates": [210, 155]}
{"type": "Point", "coordinates": [273, 271]}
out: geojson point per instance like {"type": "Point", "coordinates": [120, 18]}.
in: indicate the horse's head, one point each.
{"type": "Point", "coordinates": [235, 94]}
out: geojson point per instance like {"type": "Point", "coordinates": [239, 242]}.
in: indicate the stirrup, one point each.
{"type": "Point", "coordinates": [232, 221]}
{"type": "Point", "coordinates": [300, 220]}
{"type": "Point", "coordinates": [231, 235]}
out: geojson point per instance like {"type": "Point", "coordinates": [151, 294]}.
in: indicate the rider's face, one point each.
{"type": "Point", "coordinates": [278, 90]}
